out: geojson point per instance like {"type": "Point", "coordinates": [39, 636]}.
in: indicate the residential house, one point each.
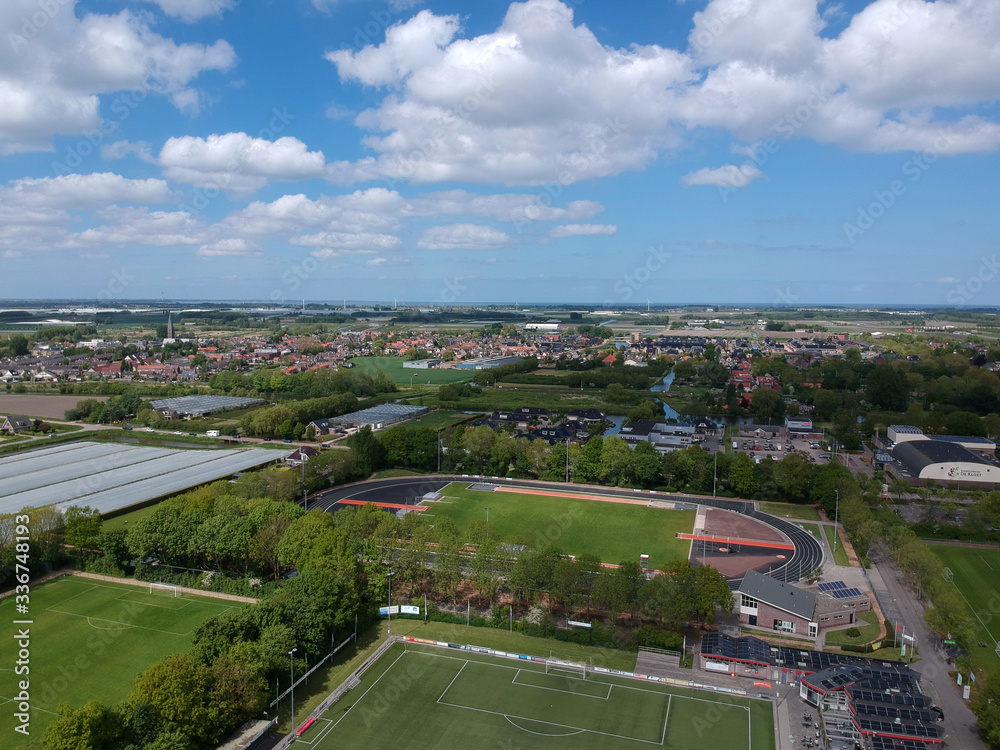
{"type": "Point", "coordinates": [13, 425]}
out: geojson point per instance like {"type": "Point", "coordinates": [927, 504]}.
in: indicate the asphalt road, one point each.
{"type": "Point", "coordinates": [959, 721]}
{"type": "Point", "coordinates": [807, 556]}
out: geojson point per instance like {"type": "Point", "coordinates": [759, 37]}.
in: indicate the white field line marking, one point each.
{"type": "Point", "coordinates": [541, 734]}
{"type": "Point", "coordinates": [557, 690]}
{"type": "Point", "coordinates": [578, 730]}
{"type": "Point", "coordinates": [33, 708]}
{"type": "Point", "coordinates": [593, 678]}
{"type": "Point", "coordinates": [125, 624]}
{"type": "Point", "coordinates": [452, 681]}
{"type": "Point", "coordinates": [367, 691]}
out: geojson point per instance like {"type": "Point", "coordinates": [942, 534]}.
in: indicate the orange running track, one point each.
{"type": "Point", "coordinates": [572, 495]}
{"type": "Point", "coordinates": [735, 540]}
{"type": "Point", "coordinates": [396, 506]}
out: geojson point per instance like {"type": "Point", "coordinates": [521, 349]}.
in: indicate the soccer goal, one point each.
{"type": "Point", "coordinates": [948, 575]}
{"type": "Point", "coordinates": [168, 589]}
{"type": "Point", "coordinates": [574, 668]}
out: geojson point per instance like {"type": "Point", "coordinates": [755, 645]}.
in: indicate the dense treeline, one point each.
{"type": "Point", "coordinates": [312, 384]}
{"type": "Point", "coordinates": [485, 377]}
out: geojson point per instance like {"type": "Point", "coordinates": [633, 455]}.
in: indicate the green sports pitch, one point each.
{"type": "Point", "coordinates": [613, 531]}
{"type": "Point", "coordinates": [393, 367]}
{"type": "Point", "coordinates": [975, 571]}
{"type": "Point", "coordinates": [89, 640]}
{"type": "Point", "coordinates": [426, 698]}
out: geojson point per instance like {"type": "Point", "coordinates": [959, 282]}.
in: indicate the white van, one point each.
{"type": "Point", "coordinates": [213, 433]}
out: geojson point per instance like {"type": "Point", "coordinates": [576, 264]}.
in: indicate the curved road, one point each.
{"type": "Point", "coordinates": [808, 554]}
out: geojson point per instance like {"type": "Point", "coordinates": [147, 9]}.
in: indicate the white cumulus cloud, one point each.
{"type": "Point", "coordinates": [730, 176]}
{"type": "Point", "coordinates": [579, 230]}
{"type": "Point", "coordinates": [463, 237]}
{"type": "Point", "coordinates": [237, 162]}
{"type": "Point", "coordinates": [229, 247]}
{"type": "Point", "coordinates": [193, 10]}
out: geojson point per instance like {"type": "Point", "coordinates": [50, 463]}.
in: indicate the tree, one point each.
{"type": "Point", "coordinates": [741, 477]}
{"type": "Point", "coordinates": [986, 706]}
{"type": "Point", "coordinates": [479, 443]}
{"type": "Point", "coordinates": [588, 468]}
{"type": "Point", "coordinates": [793, 475]}
{"type": "Point", "coordinates": [887, 388]}
{"type": "Point", "coordinates": [180, 692]}
{"type": "Point", "coordinates": [94, 726]}
{"type": "Point", "coordinates": [17, 346]}
{"type": "Point", "coordinates": [83, 526]}
{"type": "Point", "coordinates": [370, 452]}
{"type": "Point", "coordinates": [767, 403]}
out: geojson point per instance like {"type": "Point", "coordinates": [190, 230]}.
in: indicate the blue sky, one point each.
{"type": "Point", "coordinates": [718, 151]}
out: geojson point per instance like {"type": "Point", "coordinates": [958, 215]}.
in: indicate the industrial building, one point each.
{"type": "Point", "coordinates": [183, 407]}
{"type": "Point", "coordinates": [487, 363]}
{"type": "Point", "coordinates": [379, 417]}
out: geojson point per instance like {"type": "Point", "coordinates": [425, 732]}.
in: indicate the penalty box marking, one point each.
{"type": "Point", "coordinates": [557, 690]}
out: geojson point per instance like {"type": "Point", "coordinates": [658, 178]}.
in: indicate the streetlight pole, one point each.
{"type": "Point", "coordinates": [836, 520]}
{"type": "Point", "coordinates": [389, 609]}
{"type": "Point", "coordinates": [439, 452]}
{"type": "Point", "coordinates": [567, 460]}
{"type": "Point", "coordinates": [305, 497]}
{"type": "Point", "coordinates": [715, 471]}
{"type": "Point", "coordinates": [291, 671]}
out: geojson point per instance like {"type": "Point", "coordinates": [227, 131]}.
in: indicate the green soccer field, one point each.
{"type": "Point", "coordinates": [976, 571]}
{"type": "Point", "coordinates": [612, 531]}
{"type": "Point", "coordinates": [393, 366]}
{"type": "Point", "coordinates": [425, 698]}
{"type": "Point", "coordinates": [90, 639]}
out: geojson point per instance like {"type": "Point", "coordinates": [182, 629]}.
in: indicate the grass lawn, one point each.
{"type": "Point", "coordinates": [393, 366]}
{"type": "Point", "coordinates": [975, 572]}
{"type": "Point", "coordinates": [437, 420]}
{"type": "Point", "coordinates": [503, 640]}
{"type": "Point", "coordinates": [554, 397]}
{"type": "Point", "coordinates": [612, 531]}
{"type": "Point", "coordinates": [813, 529]}
{"type": "Point", "coordinates": [125, 520]}
{"type": "Point", "coordinates": [839, 554]}
{"type": "Point", "coordinates": [867, 623]}
{"type": "Point", "coordinates": [788, 510]}
{"type": "Point", "coordinates": [91, 639]}
{"type": "Point", "coordinates": [455, 699]}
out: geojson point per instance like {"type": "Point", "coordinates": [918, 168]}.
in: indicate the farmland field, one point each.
{"type": "Point", "coordinates": [78, 623]}
{"type": "Point", "coordinates": [613, 531]}
{"type": "Point", "coordinates": [42, 407]}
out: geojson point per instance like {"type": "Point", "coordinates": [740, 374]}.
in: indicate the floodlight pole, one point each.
{"type": "Point", "coordinates": [439, 451]}
{"type": "Point", "coordinates": [715, 471]}
{"type": "Point", "coordinates": [291, 672]}
{"type": "Point", "coordinates": [305, 493]}
{"type": "Point", "coordinates": [389, 576]}
{"type": "Point", "coordinates": [567, 460]}
{"type": "Point", "coordinates": [836, 520]}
